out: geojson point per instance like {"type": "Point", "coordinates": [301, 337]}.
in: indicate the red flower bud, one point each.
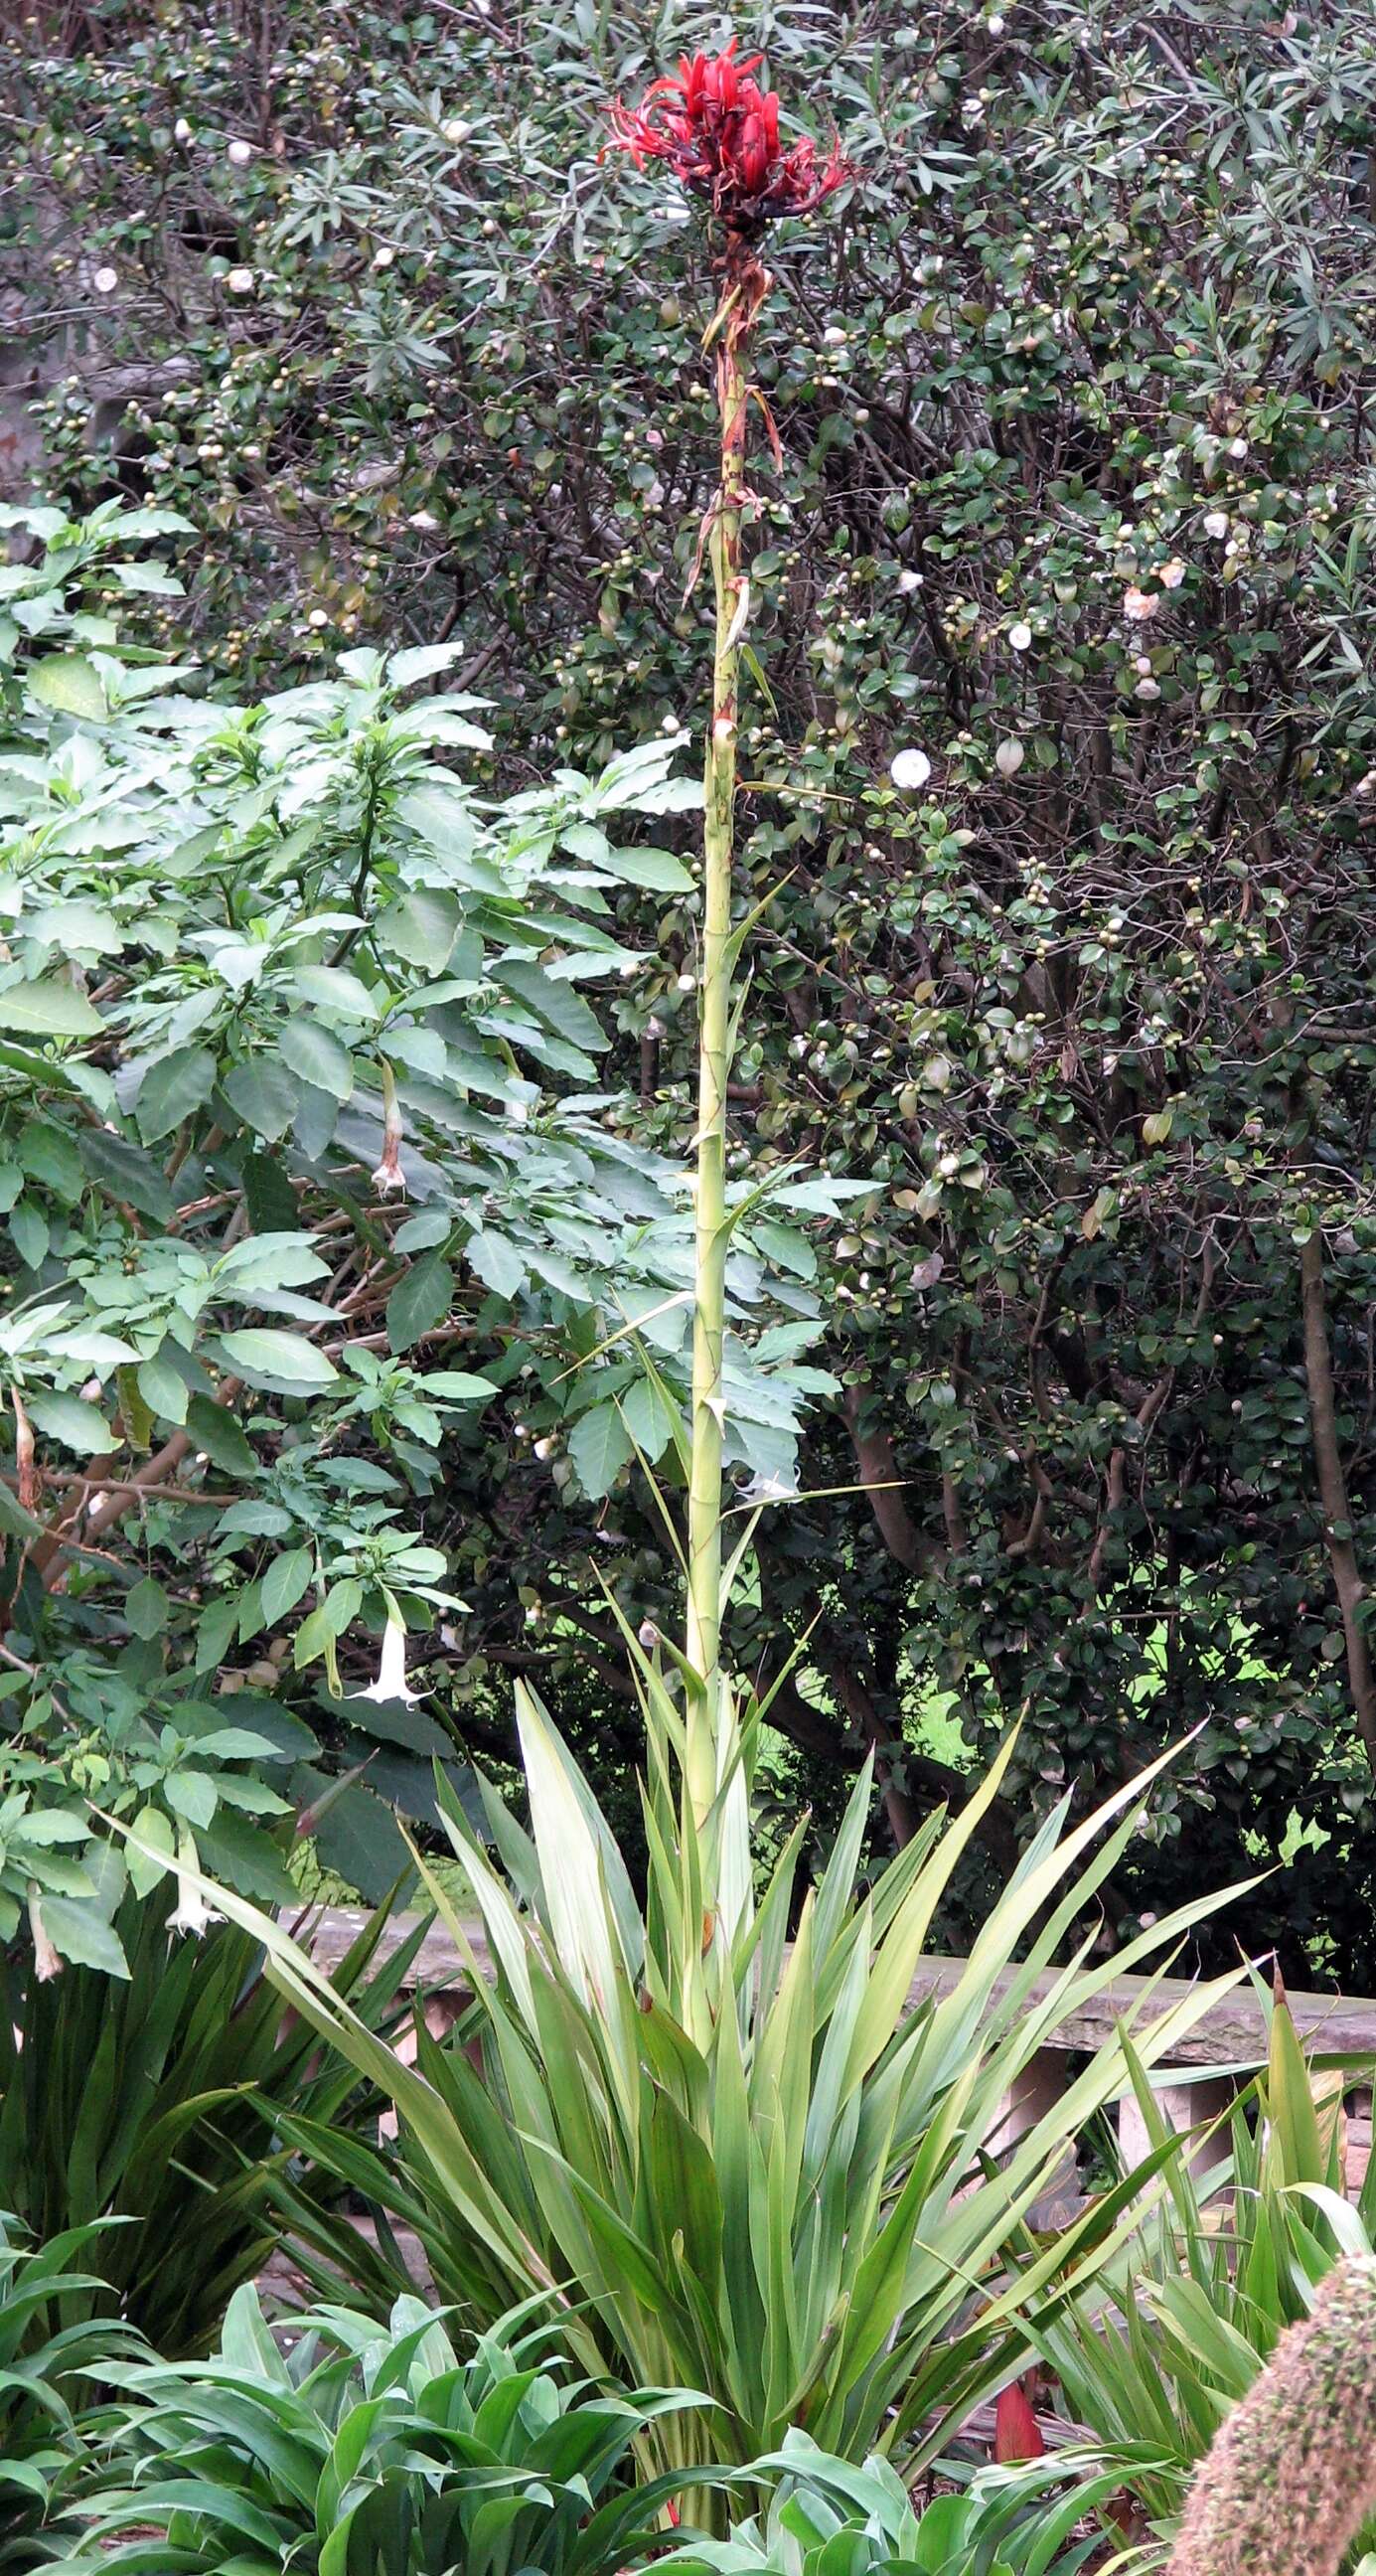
{"type": "Point", "coordinates": [721, 81]}
{"type": "Point", "coordinates": [752, 155]}
{"type": "Point", "coordinates": [1017, 2434]}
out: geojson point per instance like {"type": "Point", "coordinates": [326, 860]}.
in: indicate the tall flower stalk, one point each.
{"type": "Point", "coordinates": [703, 1639]}
{"type": "Point", "coordinates": [717, 132]}
{"type": "Point", "coordinates": [1291, 2478]}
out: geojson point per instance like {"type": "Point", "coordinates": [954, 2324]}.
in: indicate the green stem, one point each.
{"type": "Point", "coordinates": [705, 1483]}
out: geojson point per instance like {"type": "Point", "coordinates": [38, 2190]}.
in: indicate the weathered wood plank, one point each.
{"type": "Point", "coordinates": [1232, 2032]}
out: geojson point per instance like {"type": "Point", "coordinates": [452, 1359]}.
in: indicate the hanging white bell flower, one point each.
{"type": "Point", "coordinates": [239, 281]}
{"type": "Point", "coordinates": [391, 1669]}
{"type": "Point", "coordinates": [45, 1958]}
{"type": "Point", "coordinates": [388, 1174]}
{"type": "Point", "coordinates": [105, 281]}
{"type": "Point", "coordinates": [191, 1912]}
{"type": "Point", "coordinates": [239, 153]}
{"type": "Point", "coordinates": [1215, 523]}
{"type": "Point", "coordinates": [1009, 758]}
{"type": "Point", "coordinates": [1171, 574]}
{"type": "Point", "coordinates": [910, 769]}
{"type": "Point", "coordinates": [1139, 605]}
{"type": "Point", "coordinates": [1020, 636]}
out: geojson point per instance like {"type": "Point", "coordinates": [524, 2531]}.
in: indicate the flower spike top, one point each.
{"type": "Point", "coordinates": [718, 131]}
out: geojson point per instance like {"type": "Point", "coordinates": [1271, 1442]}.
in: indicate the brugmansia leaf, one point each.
{"type": "Point", "coordinates": [214, 1429]}
{"type": "Point", "coordinates": [172, 1089]}
{"type": "Point", "coordinates": [266, 1095]}
{"type": "Point", "coordinates": [70, 1419]}
{"type": "Point", "coordinates": [317, 1056]}
{"type": "Point", "coordinates": [600, 1446]}
{"type": "Point", "coordinates": [281, 1362]}
{"type": "Point", "coordinates": [649, 1416]}
{"type": "Point", "coordinates": [422, 927]}
{"type": "Point", "coordinates": [497, 1263]}
{"type": "Point", "coordinates": [70, 686]}
{"type": "Point", "coordinates": [163, 1388]}
{"type": "Point", "coordinates": [284, 1582]}
{"type": "Point", "coordinates": [556, 1004]}
{"type": "Point", "coordinates": [117, 1164]}
{"type": "Point", "coordinates": [79, 1931]}
{"type": "Point", "coordinates": [155, 1850]}
{"type": "Point", "coordinates": [49, 1010]}
{"type": "Point", "coordinates": [359, 1837]}
{"type": "Point", "coordinates": [420, 1301]}
{"type": "Point", "coordinates": [15, 1522]}
{"type": "Point", "coordinates": [657, 869]}
{"type": "Point", "coordinates": [146, 1607]}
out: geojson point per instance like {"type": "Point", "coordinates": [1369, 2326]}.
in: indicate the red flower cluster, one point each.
{"type": "Point", "coordinates": [719, 133]}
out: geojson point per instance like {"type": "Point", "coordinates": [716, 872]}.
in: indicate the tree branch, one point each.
{"type": "Point", "coordinates": [883, 1487]}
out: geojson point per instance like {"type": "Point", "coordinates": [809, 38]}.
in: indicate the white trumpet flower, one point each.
{"type": "Point", "coordinates": [391, 1669]}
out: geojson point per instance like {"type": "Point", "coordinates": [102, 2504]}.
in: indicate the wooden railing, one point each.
{"type": "Point", "coordinates": [1208, 2070]}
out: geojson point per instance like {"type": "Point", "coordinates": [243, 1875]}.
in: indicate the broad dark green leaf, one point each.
{"type": "Point", "coordinates": [118, 1165]}
{"type": "Point", "coordinates": [146, 1608]}
{"type": "Point", "coordinates": [284, 1582]}
{"type": "Point", "coordinates": [265, 1094]}
{"type": "Point", "coordinates": [420, 1301]}
{"type": "Point", "coordinates": [600, 1446]}
{"type": "Point", "coordinates": [359, 1837]}
{"type": "Point", "coordinates": [318, 1056]}
{"type": "Point", "coordinates": [218, 1432]}
{"type": "Point", "coordinates": [557, 1004]}
{"type": "Point", "coordinates": [421, 927]}
{"type": "Point", "coordinates": [173, 1089]}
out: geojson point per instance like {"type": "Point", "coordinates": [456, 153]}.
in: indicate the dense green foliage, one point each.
{"type": "Point", "coordinates": [371, 2451]}
{"type": "Point", "coordinates": [1075, 499]}
{"type": "Point", "coordinates": [748, 2168]}
{"type": "Point", "coordinates": [1235, 2254]}
{"type": "Point", "coordinates": [827, 2515]}
{"type": "Point", "coordinates": [149, 2103]}
{"type": "Point", "coordinates": [352, 664]}
{"type": "Point", "coordinates": [290, 1025]}
{"type": "Point", "coordinates": [41, 2354]}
